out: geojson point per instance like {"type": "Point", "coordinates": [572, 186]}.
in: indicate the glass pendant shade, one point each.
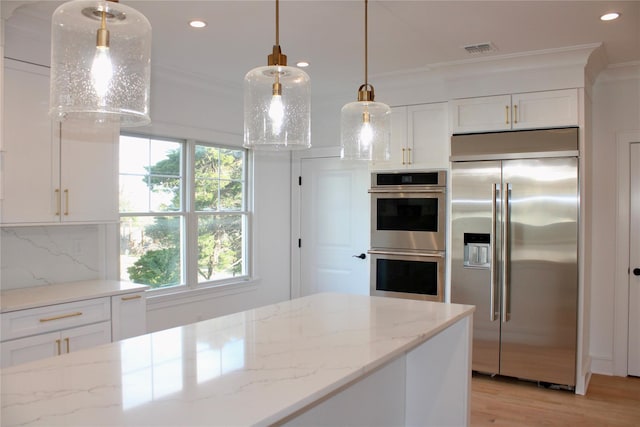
{"type": "Point", "coordinates": [100, 63]}
{"type": "Point", "coordinates": [365, 131]}
{"type": "Point", "coordinates": [277, 108]}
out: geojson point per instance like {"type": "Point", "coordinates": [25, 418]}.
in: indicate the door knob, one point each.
{"type": "Point", "coordinates": [636, 271]}
{"type": "Point", "coordinates": [363, 256]}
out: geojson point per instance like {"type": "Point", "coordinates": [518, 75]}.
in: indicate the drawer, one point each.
{"type": "Point", "coordinates": [23, 323]}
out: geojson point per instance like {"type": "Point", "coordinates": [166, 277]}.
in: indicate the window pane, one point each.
{"type": "Point", "coordinates": [134, 193]}
{"type": "Point", "coordinates": [165, 194]}
{"type": "Point", "coordinates": [165, 158]}
{"type": "Point", "coordinates": [231, 164]}
{"type": "Point", "coordinates": [134, 155]}
{"type": "Point", "coordinates": [151, 251]}
{"type": "Point", "coordinates": [219, 179]}
{"type": "Point", "coordinates": [150, 175]}
{"type": "Point", "coordinates": [206, 194]}
{"type": "Point", "coordinates": [207, 164]}
{"type": "Point", "coordinates": [231, 195]}
{"type": "Point", "coordinates": [220, 247]}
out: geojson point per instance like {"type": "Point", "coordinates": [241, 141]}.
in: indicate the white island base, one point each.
{"type": "Point", "coordinates": [428, 386]}
{"type": "Point", "coordinates": [327, 359]}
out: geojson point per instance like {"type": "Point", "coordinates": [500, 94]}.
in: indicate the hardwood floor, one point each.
{"type": "Point", "coordinates": [610, 401]}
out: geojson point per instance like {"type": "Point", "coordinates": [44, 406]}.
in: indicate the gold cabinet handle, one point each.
{"type": "Point", "coordinates": [403, 151]}
{"type": "Point", "coordinates": [409, 156]}
{"type": "Point", "coordinates": [66, 201]}
{"type": "Point", "coordinates": [58, 345]}
{"type": "Point", "coordinates": [62, 316]}
{"type": "Point", "coordinates": [131, 298]}
{"type": "Point", "coordinates": [515, 114]}
{"type": "Point", "coordinates": [66, 340]}
{"type": "Point", "coordinates": [506, 114]}
{"type": "Point", "coordinates": [58, 202]}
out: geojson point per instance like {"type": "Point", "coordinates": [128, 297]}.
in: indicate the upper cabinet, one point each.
{"type": "Point", "coordinates": [53, 173]}
{"type": "Point", "coordinates": [518, 111]}
{"type": "Point", "coordinates": [419, 138]}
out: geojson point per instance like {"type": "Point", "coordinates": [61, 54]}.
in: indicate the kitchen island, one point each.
{"type": "Point", "coordinates": [325, 359]}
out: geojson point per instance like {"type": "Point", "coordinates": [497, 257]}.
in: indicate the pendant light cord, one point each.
{"type": "Point", "coordinates": [366, 44]}
{"type": "Point", "coordinates": [277, 22]}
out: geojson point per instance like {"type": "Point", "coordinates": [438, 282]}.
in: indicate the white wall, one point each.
{"type": "Point", "coordinates": [616, 108]}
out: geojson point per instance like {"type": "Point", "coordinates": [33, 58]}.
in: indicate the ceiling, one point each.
{"type": "Point", "coordinates": [403, 35]}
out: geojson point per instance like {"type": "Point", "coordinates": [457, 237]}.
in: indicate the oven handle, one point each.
{"type": "Point", "coordinates": [410, 190]}
{"type": "Point", "coordinates": [420, 254]}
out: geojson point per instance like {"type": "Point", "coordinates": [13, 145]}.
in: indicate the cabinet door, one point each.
{"type": "Point", "coordinates": [129, 315]}
{"type": "Point", "coordinates": [25, 350]}
{"type": "Point", "coordinates": [428, 136]}
{"type": "Point", "coordinates": [28, 165]}
{"type": "Point", "coordinates": [85, 337]}
{"type": "Point", "coordinates": [545, 109]}
{"type": "Point", "coordinates": [397, 152]}
{"type": "Point", "coordinates": [480, 114]}
{"type": "Point", "coordinates": [89, 172]}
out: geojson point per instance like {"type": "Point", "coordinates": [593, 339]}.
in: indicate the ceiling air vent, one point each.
{"type": "Point", "coordinates": [481, 48]}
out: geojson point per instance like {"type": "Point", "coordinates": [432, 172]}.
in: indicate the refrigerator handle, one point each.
{"type": "Point", "coordinates": [494, 252]}
{"type": "Point", "coordinates": [506, 251]}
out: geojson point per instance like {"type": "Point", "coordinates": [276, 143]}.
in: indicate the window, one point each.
{"type": "Point", "coordinates": [183, 214]}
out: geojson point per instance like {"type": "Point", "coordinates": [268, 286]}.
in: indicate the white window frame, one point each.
{"type": "Point", "coordinates": [189, 244]}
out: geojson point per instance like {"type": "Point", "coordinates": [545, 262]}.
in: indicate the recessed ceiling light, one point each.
{"type": "Point", "coordinates": [302, 64]}
{"type": "Point", "coordinates": [610, 16]}
{"type": "Point", "coordinates": [197, 23]}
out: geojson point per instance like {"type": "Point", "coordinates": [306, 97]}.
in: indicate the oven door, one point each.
{"type": "Point", "coordinates": [408, 220]}
{"type": "Point", "coordinates": [407, 275]}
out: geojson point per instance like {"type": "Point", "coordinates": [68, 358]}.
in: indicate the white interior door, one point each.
{"type": "Point", "coordinates": [634, 262]}
{"type": "Point", "coordinates": [334, 226]}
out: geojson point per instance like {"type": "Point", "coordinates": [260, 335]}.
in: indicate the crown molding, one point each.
{"type": "Point", "coordinates": [538, 59]}
{"type": "Point", "coordinates": [621, 71]}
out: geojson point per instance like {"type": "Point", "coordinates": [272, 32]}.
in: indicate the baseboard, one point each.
{"type": "Point", "coordinates": [601, 365]}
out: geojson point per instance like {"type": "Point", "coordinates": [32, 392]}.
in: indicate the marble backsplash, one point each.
{"type": "Point", "coordinates": [34, 256]}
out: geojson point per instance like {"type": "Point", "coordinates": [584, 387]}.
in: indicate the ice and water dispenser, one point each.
{"type": "Point", "coordinates": [477, 250]}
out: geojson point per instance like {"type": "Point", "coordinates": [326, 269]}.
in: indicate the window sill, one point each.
{"type": "Point", "coordinates": [185, 295]}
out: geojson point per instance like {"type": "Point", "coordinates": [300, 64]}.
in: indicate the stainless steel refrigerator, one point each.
{"type": "Point", "coordinates": [514, 209]}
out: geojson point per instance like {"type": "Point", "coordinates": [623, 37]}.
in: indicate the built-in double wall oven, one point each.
{"type": "Point", "coordinates": [408, 237]}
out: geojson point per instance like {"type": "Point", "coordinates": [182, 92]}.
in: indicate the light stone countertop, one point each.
{"type": "Point", "coordinates": [38, 296]}
{"type": "Point", "coordinates": [251, 368]}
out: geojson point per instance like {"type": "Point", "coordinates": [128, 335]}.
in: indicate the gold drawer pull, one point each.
{"type": "Point", "coordinates": [64, 316]}
{"type": "Point", "coordinates": [57, 191]}
{"type": "Point", "coordinates": [66, 201]}
{"type": "Point", "coordinates": [130, 298]}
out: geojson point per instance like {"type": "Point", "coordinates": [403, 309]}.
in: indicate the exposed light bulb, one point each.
{"type": "Point", "coordinates": [366, 135]}
{"type": "Point", "coordinates": [101, 71]}
{"type": "Point", "coordinates": [366, 131]}
{"type": "Point", "coordinates": [276, 108]}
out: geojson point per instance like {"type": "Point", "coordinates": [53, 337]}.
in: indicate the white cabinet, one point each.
{"type": "Point", "coordinates": [53, 173]}
{"type": "Point", "coordinates": [54, 343]}
{"type": "Point", "coordinates": [128, 315]}
{"type": "Point", "coordinates": [518, 111]}
{"type": "Point", "coordinates": [419, 137]}
{"type": "Point", "coordinates": [53, 330]}
{"type": "Point", "coordinates": [50, 320]}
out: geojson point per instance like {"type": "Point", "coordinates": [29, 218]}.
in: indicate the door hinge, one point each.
{"type": "Point", "coordinates": [299, 180]}
{"type": "Point", "coordinates": [299, 243]}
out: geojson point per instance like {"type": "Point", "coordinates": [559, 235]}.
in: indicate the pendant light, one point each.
{"type": "Point", "coordinates": [365, 130]}
{"type": "Point", "coordinates": [100, 63]}
{"type": "Point", "coordinates": [277, 105]}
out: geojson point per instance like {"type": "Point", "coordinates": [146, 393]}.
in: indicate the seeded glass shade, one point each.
{"type": "Point", "coordinates": [365, 139]}
{"type": "Point", "coordinates": [277, 122]}
{"type": "Point", "coordinates": [98, 83]}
